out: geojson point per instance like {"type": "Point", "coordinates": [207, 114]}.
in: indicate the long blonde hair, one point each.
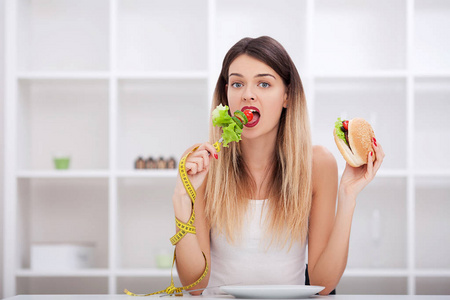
{"type": "Point", "coordinates": [229, 183]}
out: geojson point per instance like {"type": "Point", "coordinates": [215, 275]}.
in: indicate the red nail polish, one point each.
{"type": "Point", "coordinates": [371, 153]}
{"type": "Point", "coordinates": [375, 141]}
{"type": "Point", "coordinates": [216, 156]}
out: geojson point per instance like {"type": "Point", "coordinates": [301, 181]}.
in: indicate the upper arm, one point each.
{"type": "Point", "coordinates": [323, 206]}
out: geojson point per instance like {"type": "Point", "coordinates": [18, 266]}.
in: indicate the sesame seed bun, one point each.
{"type": "Point", "coordinates": [360, 135]}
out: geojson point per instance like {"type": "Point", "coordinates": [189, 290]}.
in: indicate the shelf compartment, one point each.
{"type": "Point", "coordinates": [63, 75]}
{"type": "Point", "coordinates": [344, 74]}
{"type": "Point", "coordinates": [58, 285]}
{"type": "Point", "coordinates": [431, 32]}
{"type": "Point", "coordinates": [432, 74]}
{"type": "Point", "coordinates": [149, 272]}
{"type": "Point", "coordinates": [144, 285]}
{"type": "Point", "coordinates": [257, 18]}
{"type": "Point", "coordinates": [360, 36]}
{"type": "Point", "coordinates": [63, 174]}
{"type": "Point", "coordinates": [372, 286]}
{"type": "Point", "coordinates": [432, 223]}
{"type": "Point", "coordinates": [431, 124]}
{"type": "Point", "coordinates": [384, 173]}
{"type": "Point", "coordinates": [71, 273]}
{"type": "Point", "coordinates": [69, 211]}
{"type": "Point", "coordinates": [164, 75]}
{"type": "Point", "coordinates": [170, 36]}
{"type": "Point", "coordinates": [68, 35]}
{"type": "Point", "coordinates": [432, 285]}
{"type": "Point", "coordinates": [352, 272]}
{"type": "Point", "coordinates": [432, 273]}
{"type": "Point", "coordinates": [160, 118]}
{"type": "Point", "coordinates": [63, 116]}
{"type": "Point", "coordinates": [146, 221]}
{"type": "Point", "coordinates": [148, 174]}
{"type": "Point", "coordinates": [433, 173]}
{"type": "Point", "coordinates": [382, 102]}
{"type": "Point", "coordinates": [379, 226]}
{"type": "Point", "coordinates": [389, 173]}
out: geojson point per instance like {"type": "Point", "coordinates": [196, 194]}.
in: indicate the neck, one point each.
{"type": "Point", "coordinates": [258, 157]}
{"type": "Point", "coordinates": [258, 153]}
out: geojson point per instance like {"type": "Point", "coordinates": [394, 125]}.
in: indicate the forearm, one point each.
{"type": "Point", "coordinates": [190, 261]}
{"type": "Point", "coordinates": [331, 264]}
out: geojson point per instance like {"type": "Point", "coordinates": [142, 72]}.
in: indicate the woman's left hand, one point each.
{"type": "Point", "coordinates": [354, 180]}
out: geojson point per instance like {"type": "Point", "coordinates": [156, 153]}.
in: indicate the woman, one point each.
{"type": "Point", "coordinates": [261, 201]}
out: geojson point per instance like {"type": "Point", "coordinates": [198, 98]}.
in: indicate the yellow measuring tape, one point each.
{"type": "Point", "coordinates": [185, 228]}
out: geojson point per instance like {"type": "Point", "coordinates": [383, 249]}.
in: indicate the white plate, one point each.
{"type": "Point", "coordinates": [272, 291]}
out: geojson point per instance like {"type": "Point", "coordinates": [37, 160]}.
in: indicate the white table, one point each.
{"type": "Point", "coordinates": [123, 297]}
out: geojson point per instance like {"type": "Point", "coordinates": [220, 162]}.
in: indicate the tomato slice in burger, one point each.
{"type": "Point", "coordinates": [345, 124]}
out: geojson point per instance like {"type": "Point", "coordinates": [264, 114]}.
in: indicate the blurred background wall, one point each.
{"type": "Point", "coordinates": [2, 93]}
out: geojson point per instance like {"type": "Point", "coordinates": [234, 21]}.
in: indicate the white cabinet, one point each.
{"type": "Point", "coordinates": [367, 35]}
{"type": "Point", "coordinates": [67, 116]}
{"type": "Point", "coordinates": [106, 81]}
{"type": "Point", "coordinates": [159, 117]}
{"type": "Point", "coordinates": [431, 123]}
{"type": "Point", "coordinates": [163, 36]}
{"type": "Point", "coordinates": [62, 36]}
{"type": "Point", "coordinates": [431, 29]}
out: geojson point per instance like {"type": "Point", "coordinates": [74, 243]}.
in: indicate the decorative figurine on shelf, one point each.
{"type": "Point", "coordinates": [140, 163]}
{"type": "Point", "coordinates": [171, 163]}
{"type": "Point", "coordinates": [162, 163]}
{"type": "Point", "coordinates": [61, 162]}
{"type": "Point", "coordinates": [150, 163]}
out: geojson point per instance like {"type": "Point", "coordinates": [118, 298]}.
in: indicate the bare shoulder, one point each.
{"type": "Point", "coordinates": [324, 167]}
{"type": "Point", "coordinates": [322, 157]}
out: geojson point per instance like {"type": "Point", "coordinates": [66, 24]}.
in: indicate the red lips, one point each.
{"type": "Point", "coordinates": [256, 115]}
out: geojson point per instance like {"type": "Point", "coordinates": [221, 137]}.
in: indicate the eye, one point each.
{"type": "Point", "coordinates": [236, 85]}
{"type": "Point", "coordinates": [264, 85]}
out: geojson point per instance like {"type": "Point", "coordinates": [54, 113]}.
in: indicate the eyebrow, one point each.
{"type": "Point", "coordinates": [258, 75]}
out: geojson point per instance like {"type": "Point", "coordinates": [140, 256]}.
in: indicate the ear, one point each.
{"type": "Point", "coordinates": [285, 101]}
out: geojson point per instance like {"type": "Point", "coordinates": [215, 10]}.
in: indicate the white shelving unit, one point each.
{"type": "Point", "coordinates": [109, 80]}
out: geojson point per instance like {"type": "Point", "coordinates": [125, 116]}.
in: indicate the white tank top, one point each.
{"type": "Point", "coordinates": [249, 261]}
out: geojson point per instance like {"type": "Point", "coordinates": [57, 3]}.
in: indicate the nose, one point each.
{"type": "Point", "coordinates": [248, 94]}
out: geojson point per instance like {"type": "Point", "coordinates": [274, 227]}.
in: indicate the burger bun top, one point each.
{"type": "Point", "coordinates": [360, 136]}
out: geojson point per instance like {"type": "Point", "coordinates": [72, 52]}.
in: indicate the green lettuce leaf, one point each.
{"type": "Point", "coordinates": [220, 116]}
{"type": "Point", "coordinates": [231, 132]}
{"type": "Point", "coordinates": [339, 131]}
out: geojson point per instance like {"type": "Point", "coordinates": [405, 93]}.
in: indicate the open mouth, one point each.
{"type": "Point", "coordinates": [256, 115]}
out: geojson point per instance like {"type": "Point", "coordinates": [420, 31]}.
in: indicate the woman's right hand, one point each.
{"type": "Point", "coordinates": [197, 165]}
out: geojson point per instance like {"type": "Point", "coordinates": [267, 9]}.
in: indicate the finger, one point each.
{"type": "Point", "coordinates": [381, 150]}
{"type": "Point", "coordinates": [199, 162]}
{"type": "Point", "coordinates": [210, 148]}
{"type": "Point", "coordinates": [201, 147]}
{"type": "Point", "coordinates": [379, 153]}
{"type": "Point", "coordinates": [369, 170]}
{"type": "Point", "coordinates": [206, 157]}
{"type": "Point", "coordinates": [191, 168]}
{"type": "Point", "coordinates": [201, 159]}
{"type": "Point", "coordinates": [378, 148]}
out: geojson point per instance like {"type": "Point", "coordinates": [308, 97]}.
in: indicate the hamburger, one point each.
{"type": "Point", "coordinates": [354, 140]}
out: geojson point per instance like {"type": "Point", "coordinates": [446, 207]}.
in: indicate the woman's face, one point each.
{"type": "Point", "coordinates": [254, 85]}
